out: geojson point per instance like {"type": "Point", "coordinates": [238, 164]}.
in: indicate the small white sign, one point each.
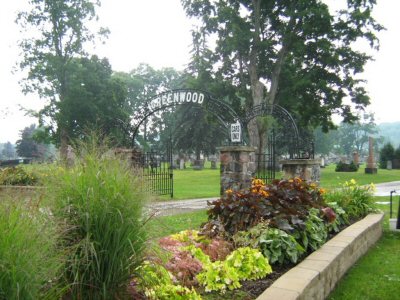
{"type": "Point", "coordinates": [236, 132]}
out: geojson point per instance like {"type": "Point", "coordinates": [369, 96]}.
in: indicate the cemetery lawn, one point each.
{"type": "Point", "coordinates": [158, 227]}
{"type": "Point", "coordinates": [192, 184]}
{"type": "Point", "coordinates": [332, 179]}
{"type": "Point", "coordinates": [377, 274]}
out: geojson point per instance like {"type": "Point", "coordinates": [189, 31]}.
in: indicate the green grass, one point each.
{"type": "Point", "coordinates": [332, 179]}
{"type": "Point", "coordinates": [377, 274]}
{"type": "Point", "coordinates": [29, 253]}
{"type": "Point", "coordinates": [191, 184]}
{"type": "Point", "coordinates": [163, 226]}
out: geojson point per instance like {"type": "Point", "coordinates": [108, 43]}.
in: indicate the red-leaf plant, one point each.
{"type": "Point", "coordinates": [284, 203]}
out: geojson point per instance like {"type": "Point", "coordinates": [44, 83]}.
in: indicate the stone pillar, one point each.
{"type": "Point", "coordinates": [371, 166]}
{"type": "Point", "coordinates": [237, 167]}
{"type": "Point", "coordinates": [306, 169]}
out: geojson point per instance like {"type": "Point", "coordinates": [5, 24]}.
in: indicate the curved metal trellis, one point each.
{"type": "Point", "coordinates": [286, 135]}
{"type": "Point", "coordinates": [172, 98]}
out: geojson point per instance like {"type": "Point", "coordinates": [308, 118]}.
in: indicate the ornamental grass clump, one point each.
{"type": "Point", "coordinates": [99, 200]}
{"type": "Point", "coordinates": [30, 257]}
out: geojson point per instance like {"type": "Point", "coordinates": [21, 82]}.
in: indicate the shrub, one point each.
{"type": "Point", "coordinates": [157, 284]}
{"type": "Point", "coordinates": [241, 264]}
{"type": "Point", "coordinates": [315, 232]}
{"type": "Point", "coordinates": [285, 203]}
{"type": "Point", "coordinates": [386, 153]}
{"type": "Point", "coordinates": [357, 201]}
{"type": "Point", "coordinates": [99, 200]}
{"type": "Point", "coordinates": [30, 261]}
{"type": "Point", "coordinates": [340, 220]}
{"type": "Point", "coordinates": [343, 167]}
{"type": "Point", "coordinates": [17, 176]}
{"type": "Point", "coordinates": [278, 246]}
{"type": "Point", "coordinates": [186, 254]}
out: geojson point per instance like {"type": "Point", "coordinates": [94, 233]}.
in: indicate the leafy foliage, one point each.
{"type": "Point", "coordinates": [56, 34]}
{"type": "Point", "coordinates": [341, 218]}
{"type": "Point", "coordinates": [241, 264]}
{"type": "Point", "coordinates": [315, 233]}
{"type": "Point", "coordinates": [343, 167]}
{"type": "Point", "coordinates": [386, 153]}
{"type": "Point", "coordinates": [298, 54]}
{"type": "Point", "coordinates": [158, 285]}
{"type": "Point", "coordinates": [357, 201]}
{"type": "Point", "coordinates": [284, 203]}
{"type": "Point", "coordinates": [219, 276]}
{"type": "Point", "coordinates": [17, 176]}
{"type": "Point", "coordinates": [277, 245]}
{"type": "Point", "coordinates": [187, 257]}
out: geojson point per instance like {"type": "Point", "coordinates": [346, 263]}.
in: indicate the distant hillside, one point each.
{"type": "Point", "coordinates": [391, 132]}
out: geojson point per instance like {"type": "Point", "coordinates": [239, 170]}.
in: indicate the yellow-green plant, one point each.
{"type": "Point", "coordinates": [242, 264]}
{"type": "Point", "coordinates": [157, 284]}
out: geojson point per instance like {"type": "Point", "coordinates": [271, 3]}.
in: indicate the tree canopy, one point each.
{"type": "Point", "coordinates": [56, 32]}
{"type": "Point", "coordinates": [297, 54]}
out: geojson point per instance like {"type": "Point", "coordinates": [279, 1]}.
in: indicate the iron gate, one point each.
{"type": "Point", "coordinates": [157, 172]}
{"type": "Point", "coordinates": [266, 162]}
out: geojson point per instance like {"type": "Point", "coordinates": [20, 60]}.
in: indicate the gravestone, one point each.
{"type": "Point", "coordinates": [181, 164]}
{"type": "Point", "coordinates": [198, 164]}
{"type": "Point", "coordinates": [213, 164]}
{"type": "Point", "coordinates": [389, 165]}
{"type": "Point", "coordinates": [322, 162]}
{"type": "Point", "coordinates": [371, 166]}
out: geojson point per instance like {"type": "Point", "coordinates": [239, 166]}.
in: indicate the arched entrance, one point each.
{"type": "Point", "coordinates": [157, 162]}
{"type": "Point", "coordinates": [281, 136]}
{"type": "Point", "coordinates": [281, 139]}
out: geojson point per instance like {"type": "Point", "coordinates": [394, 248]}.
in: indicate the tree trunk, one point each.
{"type": "Point", "coordinates": [63, 145]}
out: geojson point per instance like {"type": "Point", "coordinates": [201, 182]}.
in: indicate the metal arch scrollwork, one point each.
{"type": "Point", "coordinates": [171, 98]}
{"type": "Point", "coordinates": [287, 137]}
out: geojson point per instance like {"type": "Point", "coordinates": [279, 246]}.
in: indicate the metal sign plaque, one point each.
{"type": "Point", "coordinates": [236, 132]}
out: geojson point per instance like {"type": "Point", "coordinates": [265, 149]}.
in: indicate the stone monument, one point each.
{"type": "Point", "coordinates": [356, 158]}
{"type": "Point", "coordinates": [371, 166]}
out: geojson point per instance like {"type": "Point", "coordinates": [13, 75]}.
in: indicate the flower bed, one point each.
{"type": "Point", "coordinates": [249, 234]}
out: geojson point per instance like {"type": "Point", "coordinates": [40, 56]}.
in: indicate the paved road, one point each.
{"type": "Point", "coordinates": [384, 189]}
{"type": "Point", "coordinates": [181, 206]}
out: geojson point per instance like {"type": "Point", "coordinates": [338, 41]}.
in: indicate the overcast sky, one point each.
{"type": "Point", "coordinates": [158, 33]}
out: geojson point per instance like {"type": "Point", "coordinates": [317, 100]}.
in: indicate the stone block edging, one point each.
{"type": "Point", "coordinates": [317, 275]}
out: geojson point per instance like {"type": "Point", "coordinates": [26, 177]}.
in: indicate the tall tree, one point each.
{"type": "Point", "coordinates": [94, 100]}
{"type": "Point", "coordinates": [56, 33]}
{"type": "Point", "coordinates": [354, 137]}
{"type": "Point", "coordinates": [143, 83]}
{"type": "Point", "coordinates": [26, 146]}
{"type": "Point", "coordinates": [8, 151]}
{"type": "Point", "coordinates": [289, 52]}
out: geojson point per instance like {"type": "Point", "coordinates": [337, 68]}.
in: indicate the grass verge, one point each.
{"type": "Point", "coordinates": [377, 274]}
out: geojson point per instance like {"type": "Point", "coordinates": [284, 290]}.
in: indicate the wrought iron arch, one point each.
{"type": "Point", "coordinates": [171, 98]}
{"type": "Point", "coordinates": [297, 146]}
